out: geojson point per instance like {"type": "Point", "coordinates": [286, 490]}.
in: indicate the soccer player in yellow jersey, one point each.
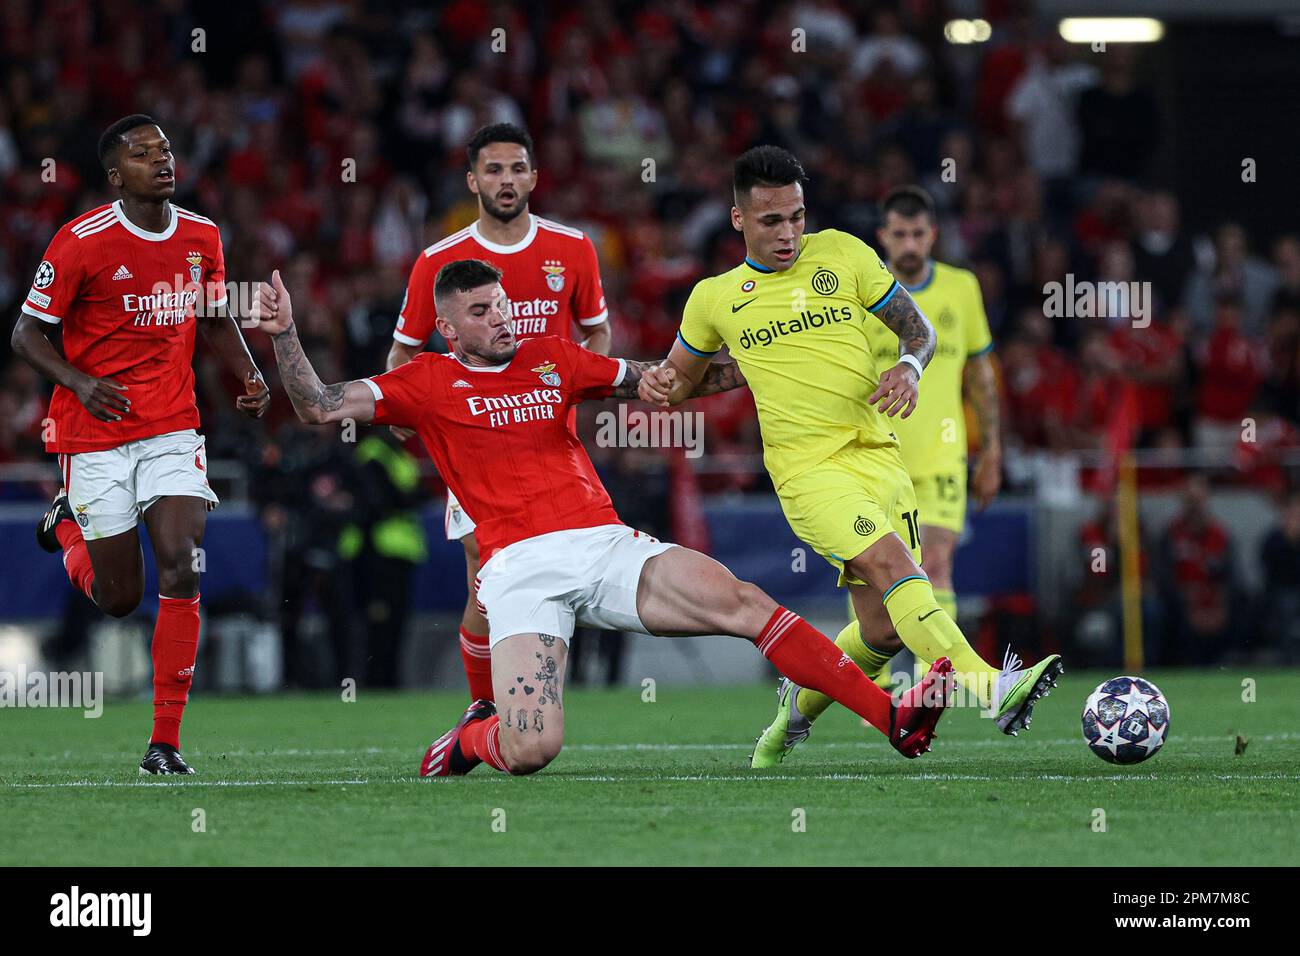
{"type": "Point", "coordinates": [933, 438]}
{"type": "Point", "coordinates": [794, 316]}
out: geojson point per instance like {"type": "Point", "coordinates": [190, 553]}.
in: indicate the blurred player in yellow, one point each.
{"type": "Point", "coordinates": [795, 316]}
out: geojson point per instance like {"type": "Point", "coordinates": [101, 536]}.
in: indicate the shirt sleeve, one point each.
{"type": "Point", "coordinates": [415, 322]}
{"type": "Point", "coordinates": [978, 338]}
{"type": "Point", "coordinates": [402, 395]}
{"type": "Point", "coordinates": [698, 333]}
{"type": "Point", "coordinates": [591, 375]}
{"type": "Point", "coordinates": [588, 294]}
{"type": "Point", "coordinates": [58, 280]}
{"type": "Point", "coordinates": [876, 284]}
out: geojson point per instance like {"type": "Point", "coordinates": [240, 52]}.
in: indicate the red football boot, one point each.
{"type": "Point", "coordinates": [444, 758]}
{"type": "Point", "coordinates": [915, 714]}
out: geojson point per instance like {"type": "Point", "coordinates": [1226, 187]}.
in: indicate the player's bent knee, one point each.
{"type": "Point", "coordinates": [118, 603]}
{"type": "Point", "coordinates": [525, 756]}
{"type": "Point", "coordinates": [745, 609]}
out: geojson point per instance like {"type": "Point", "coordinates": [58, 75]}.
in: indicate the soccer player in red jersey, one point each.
{"type": "Point", "coordinates": [493, 416]}
{"type": "Point", "coordinates": [124, 281]}
{"type": "Point", "coordinates": [552, 278]}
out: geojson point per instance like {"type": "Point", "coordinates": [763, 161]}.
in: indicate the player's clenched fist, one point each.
{"type": "Point", "coordinates": [897, 391]}
{"type": "Point", "coordinates": [656, 385]}
{"type": "Point", "coordinates": [272, 310]}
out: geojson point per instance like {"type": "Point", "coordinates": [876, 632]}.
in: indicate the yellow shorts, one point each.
{"type": "Point", "coordinates": [941, 498]}
{"type": "Point", "coordinates": [847, 503]}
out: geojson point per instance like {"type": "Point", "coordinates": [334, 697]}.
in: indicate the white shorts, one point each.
{"type": "Point", "coordinates": [456, 523]}
{"type": "Point", "coordinates": [109, 490]}
{"type": "Point", "coordinates": [546, 584]}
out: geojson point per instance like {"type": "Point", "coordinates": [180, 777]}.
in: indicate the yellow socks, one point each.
{"type": "Point", "coordinates": [947, 600]}
{"type": "Point", "coordinates": [872, 662]}
{"type": "Point", "coordinates": [929, 632]}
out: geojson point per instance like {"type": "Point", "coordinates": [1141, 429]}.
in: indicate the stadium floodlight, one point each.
{"type": "Point", "coordinates": [967, 31]}
{"type": "Point", "coordinates": [1111, 30]}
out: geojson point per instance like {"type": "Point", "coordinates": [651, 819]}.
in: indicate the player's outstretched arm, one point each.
{"type": "Point", "coordinates": [315, 402]}
{"type": "Point", "coordinates": [688, 376]}
{"type": "Point", "coordinates": [655, 382]}
{"type": "Point", "coordinates": [899, 386]}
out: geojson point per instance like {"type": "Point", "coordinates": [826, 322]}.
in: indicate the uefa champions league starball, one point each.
{"type": "Point", "coordinates": [1125, 720]}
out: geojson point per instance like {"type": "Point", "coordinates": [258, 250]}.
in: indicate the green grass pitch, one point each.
{"type": "Point", "coordinates": [313, 780]}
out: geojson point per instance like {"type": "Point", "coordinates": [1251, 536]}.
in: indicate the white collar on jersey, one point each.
{"type": "Point", "coordinates": [496, 247]}
{"type": "Point", "coordinates": [480, 368]}
{"type": "Point", "coordinates": [145, 233]}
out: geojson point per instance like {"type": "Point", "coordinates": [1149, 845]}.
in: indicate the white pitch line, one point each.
{"type": "Point", "coordinates": [656, 778]}
{"type": "Point", "coordinates": [865, 744]}
{"type": "Point", "coordinates": [143, 784]}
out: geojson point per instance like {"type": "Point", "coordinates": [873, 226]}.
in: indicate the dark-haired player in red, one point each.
{"type": "Point", "coordinates": [552, 278]}
{"type": "Point", "coordinates": [124, 282]}
{"type": "Point", "coordinates": [493, 415]}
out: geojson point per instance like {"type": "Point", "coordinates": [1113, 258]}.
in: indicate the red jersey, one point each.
{"type": "Point", "coordinates": [126, 298]}
{"type": "Point", "coordinates": [499, 438]}
{"type": "Point", "coordinates": [551, 277]}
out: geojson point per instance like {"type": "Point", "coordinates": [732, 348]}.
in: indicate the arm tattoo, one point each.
{"type": "Point", "coordinates": [718, 377]}
{"type": "Point", "coordinates": [631, 378]}
{"type": "Point", "coordinates": [311, 398]}
{"type": "Point", "coordinates": [914, 331]}
{"type": "Point", "coordinates": [982, 387]}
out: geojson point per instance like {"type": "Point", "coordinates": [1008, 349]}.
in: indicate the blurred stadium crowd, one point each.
{"type": "Point", "coordinates": [1042, 158]}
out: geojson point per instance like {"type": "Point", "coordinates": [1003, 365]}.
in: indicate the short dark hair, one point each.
{"type": "Point", "coordinates": [765, 166]}
{"type": "Point", "coordinates": [499, 133]}
{"type": "Point", "coordinates": [115, 136]}
{"type": "Point", "coordinates": [907, 201]}
{"type": "Point", "coordinates": [462, 275]}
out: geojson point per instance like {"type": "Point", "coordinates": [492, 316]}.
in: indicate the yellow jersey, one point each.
{"type": "Point", "coordinates": [933, 437]}
{"type": "Point", "coordinates": [801, 340]}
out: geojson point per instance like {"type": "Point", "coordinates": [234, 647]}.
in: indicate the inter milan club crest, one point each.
{"type": "Point", "coordinates": [747, 286]}
{"type": "Point", "coordinates": [554, 275]}
{"type": "Point", "coordinates": [548, 374]}
{"type": "Point", "coordinates": [196, 267]}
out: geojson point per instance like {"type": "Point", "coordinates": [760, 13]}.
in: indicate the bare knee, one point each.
{"type": "Point", "coordinates": [119, 601]}
{"type": "Point", "coordinates": [525, 754]}
{"type": "Point", "coordinates": [743, 609]}
{"type": "Point", "coordinates": [884, 563]}
{"type": "Point", "coordinates": [177, 574]}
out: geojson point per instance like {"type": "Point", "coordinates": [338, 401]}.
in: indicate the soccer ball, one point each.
{"type": "Point", "coordinates": [1125, 720]}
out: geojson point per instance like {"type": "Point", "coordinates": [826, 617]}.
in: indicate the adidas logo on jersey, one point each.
{"type": "Point", "coordinates": [461, 383]}
{"type": "Point", "coordinates": [122, 273]}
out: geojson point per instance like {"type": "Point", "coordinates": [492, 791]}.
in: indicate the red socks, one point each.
{"type": "Point", "coordinates": [811, 659]}
{"type": "Point", "coordinates": [175, 648]}
{"type": "Point", "coordinates": [481, 739]}
{"type": "Point", "coordinates": [76, 557]}
{"type": "Point", "coordinates": [478, 664]}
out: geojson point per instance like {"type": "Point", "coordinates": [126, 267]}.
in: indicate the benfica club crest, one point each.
{"type": "Point", "coordinates": [196, 267]}
{"type": "Point", "coordinates": [554, 275]}
{"type": "Point", "coordinates": [547, 372]}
